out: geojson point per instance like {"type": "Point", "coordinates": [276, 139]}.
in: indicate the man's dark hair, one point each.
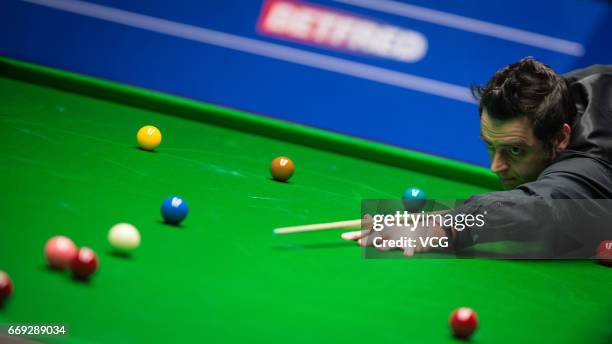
{"type": "Point", "coordinates": [532, 89]}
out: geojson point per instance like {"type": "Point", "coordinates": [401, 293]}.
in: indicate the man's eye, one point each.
{"type": "Point", "coordinates": [515, 151]}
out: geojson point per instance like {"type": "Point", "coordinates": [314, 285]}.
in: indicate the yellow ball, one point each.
{"type": "Point", "coordinates": [149, 137]}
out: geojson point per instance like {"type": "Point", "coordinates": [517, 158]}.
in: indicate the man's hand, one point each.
{"type": "Point", "coordinates": [415, 235]}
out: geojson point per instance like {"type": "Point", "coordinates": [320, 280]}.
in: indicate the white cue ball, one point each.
{"type": "Point", "coordinates": [124, 237]}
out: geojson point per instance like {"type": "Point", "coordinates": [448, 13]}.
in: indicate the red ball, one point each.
{"type": "Point", "coordinates": [60, 251]}
{"type": "Point", "coordinates": [282, 168]}
{"type": "Point", "coordinates": [84, 264]}
{"type": "Point", "coordinates": [604, 252]}
{"type": "Point", "coordinates": [6, 286]}
{"type": "Point", "coordinates": [463, 322]}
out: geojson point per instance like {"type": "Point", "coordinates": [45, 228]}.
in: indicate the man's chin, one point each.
{"type": "Point", "coordinates": [509, 183]}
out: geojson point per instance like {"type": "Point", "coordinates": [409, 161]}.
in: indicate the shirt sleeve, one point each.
{"type": "Point", "coordinates": [565, 208]}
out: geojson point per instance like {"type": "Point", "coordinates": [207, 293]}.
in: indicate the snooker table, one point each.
{"type": "Point", "coordinates": [70, 166]}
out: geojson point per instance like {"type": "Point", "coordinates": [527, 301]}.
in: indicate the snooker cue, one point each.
{"type": "Point", "coordinates": [333, 225]}
{"type": "Point", "coordinates": [319, 227]}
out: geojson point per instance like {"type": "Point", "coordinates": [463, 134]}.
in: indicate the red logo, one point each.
{"type": "Point", "coordinates": [321, 26]}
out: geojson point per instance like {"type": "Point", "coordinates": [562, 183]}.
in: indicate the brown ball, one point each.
{"type": "Point", "coordinates": [282, 168]}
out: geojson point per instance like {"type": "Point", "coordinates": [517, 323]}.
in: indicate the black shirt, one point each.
{"type": "Point", "coordinates": [569, 206]}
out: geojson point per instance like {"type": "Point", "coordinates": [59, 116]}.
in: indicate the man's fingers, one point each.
{"type": "Point", "coordinates": [368, 240]}
{"type": "Point", "coordinates": [354, 235]}
{"type": "Point", "coordinates": [365, 241]}
{"type": "Point", "coordinates": [367, 222]}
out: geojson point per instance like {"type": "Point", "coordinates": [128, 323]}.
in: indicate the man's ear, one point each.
{"type": "Point", "coordinates": [564, 138]}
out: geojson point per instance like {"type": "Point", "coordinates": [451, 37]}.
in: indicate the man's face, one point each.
{"type": "Point", "coordinates": [517, 156]}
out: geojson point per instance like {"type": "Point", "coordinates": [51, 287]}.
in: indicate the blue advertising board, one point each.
{"type": "Point", "coordinates": [391, 71]}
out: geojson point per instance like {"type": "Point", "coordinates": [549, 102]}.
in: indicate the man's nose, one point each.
{"type": "Point", "coordinates": [498, 163]}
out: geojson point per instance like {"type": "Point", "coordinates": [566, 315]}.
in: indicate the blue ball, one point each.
{"type": "Point", "coordinates": [414, 199]}
{"type": "Point", "coordinates": [174, 210]}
